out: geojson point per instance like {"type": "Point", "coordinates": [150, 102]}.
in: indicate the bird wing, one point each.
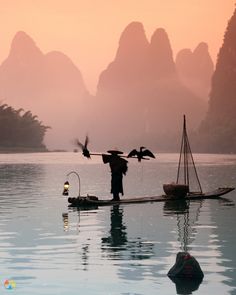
{"type": "Point", "coordinates": [86, 141]}
{"type": "Point", "coordinates": [133, 153]}
{"type": "Point", "coordinates": [84, 148]}
{"type": "Point", "coordinates": [147, 153]}
{"type": "Point", "coordinates": [79, 144]}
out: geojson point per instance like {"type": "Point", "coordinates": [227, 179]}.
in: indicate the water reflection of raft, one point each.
{"type": "Point", "coordinates": [94, 201]}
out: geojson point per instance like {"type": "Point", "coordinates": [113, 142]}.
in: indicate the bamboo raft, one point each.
{"type": "Point", "coordinates": [94, 201]}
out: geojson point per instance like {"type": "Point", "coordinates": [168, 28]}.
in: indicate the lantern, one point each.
{"type": "Point", "coordinates": [66, 189]}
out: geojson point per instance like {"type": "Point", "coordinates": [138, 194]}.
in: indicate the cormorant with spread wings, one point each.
{"type": "Point", "coordinates": [141, 154]}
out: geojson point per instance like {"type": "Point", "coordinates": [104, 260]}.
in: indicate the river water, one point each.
{"type": "Point", "coordinates": [48, 248]}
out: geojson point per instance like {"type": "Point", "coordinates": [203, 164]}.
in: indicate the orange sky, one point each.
{"type": "Point", "coordinates": [88, 30]}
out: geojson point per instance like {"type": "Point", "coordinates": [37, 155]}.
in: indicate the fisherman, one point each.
{"type": "Point", "coordinates": [118, 167]}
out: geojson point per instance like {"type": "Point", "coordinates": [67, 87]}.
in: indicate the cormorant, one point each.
{"type": "Point", "coordinates": [140, 154]}
{"type": "Point", "coordinates": [84, 148]}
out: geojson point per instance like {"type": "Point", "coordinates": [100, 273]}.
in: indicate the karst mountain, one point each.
{"type": "Point", "coordinates": [141, 95]}
{"type": "Point", "coordinates": [218, 130]}
{"type": "Point", "coordinates": [49, 85]}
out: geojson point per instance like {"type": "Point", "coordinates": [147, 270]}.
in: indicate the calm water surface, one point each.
{"type": "Point", "coordinates": [47, 248]}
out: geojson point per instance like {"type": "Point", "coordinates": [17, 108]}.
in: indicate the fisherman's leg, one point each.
{"type": "Point", "coordinates": [116, 197]}
{"type": "Point", "coordinates": [115, 186]}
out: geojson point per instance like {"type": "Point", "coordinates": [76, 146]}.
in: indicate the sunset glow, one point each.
{"type": "Point", "coordinates": [88, 31]}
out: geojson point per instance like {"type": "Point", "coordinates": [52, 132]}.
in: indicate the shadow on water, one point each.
{"type": "Point", "coordinates": [224, 202]}
{"type": "Point", "coordinates": [176, 207]}
{"type": "Point", "coordinates": [133, 251]}
{"type": "Point", "coordinates": [187, 214]}
{"type": "Point", "coordinates": [185, 286]}
{"type": "Point", "coordinates": [117, 243]}
{"type": "Point", "coordinates": [129, 252]}
{"type": "Point", "coordinates": [132, 245]}
{"type": "Point", "coordinates": [70, 225]}
{"type": "Point", "coordinates": [118, 236]}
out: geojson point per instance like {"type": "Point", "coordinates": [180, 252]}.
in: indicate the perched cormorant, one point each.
{"type": "Point", "coordinates": [140, 154]}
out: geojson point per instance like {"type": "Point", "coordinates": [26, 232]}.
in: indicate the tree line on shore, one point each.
{"type": "Point", "coordinates": [19, 129]}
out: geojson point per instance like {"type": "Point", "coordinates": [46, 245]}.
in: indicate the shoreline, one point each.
{"type": "Point", "coordinates": [22, 150]}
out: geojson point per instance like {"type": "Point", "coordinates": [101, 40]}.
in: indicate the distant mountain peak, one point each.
{"type": "Point", "coordinates": [160, 43]}
{"type": "Point", "coordinates": [201, 49]}
{"type": "Point", "coordinates": [58, 56]}
{"type": "Point", "coordinates": [21, 35]}
{"type": "Point", "coordinates": [195, 69]}
{"type": "Point", "coordinates": [133, 39]}
{"type": "Point", "coordinates": [202, 46]}
{"type": "Point", "coordinates": [132, 28]}
{"type": "Point", "coordinates": [161, 54]}
{"type": "Point", "coordinates": [160, 33]}
{"type": "Point", "coordinates": [50, 85]}
{"type": "Point", "coordinates": [22, 44]}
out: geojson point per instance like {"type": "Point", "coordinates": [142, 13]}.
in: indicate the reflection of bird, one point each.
{"type": "Point", "coordinates": [141, 153]}
{"type": "Point", "coordinates": [84, 148]}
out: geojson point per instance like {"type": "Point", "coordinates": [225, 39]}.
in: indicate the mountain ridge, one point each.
{"type": "Point", "coordinates": [33, 80]}
{"type": "Point", "coordinates": [218, 129]}
{"type": "Point", "coordinates": [135, 93]}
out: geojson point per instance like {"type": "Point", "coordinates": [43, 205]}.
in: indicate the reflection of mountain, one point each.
{"type": "Point", "coordinates": [49, 85]}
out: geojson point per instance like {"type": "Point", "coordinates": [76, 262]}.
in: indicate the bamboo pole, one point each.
{"type": "Point", "coordinates": [100, 154]}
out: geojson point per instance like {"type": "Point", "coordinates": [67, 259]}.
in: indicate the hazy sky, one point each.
{"type": "Point", "coordinates": [88, 31]}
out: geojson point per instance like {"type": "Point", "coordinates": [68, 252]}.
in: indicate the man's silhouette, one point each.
{"type": "Point", "coordinates": [118, 167]}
